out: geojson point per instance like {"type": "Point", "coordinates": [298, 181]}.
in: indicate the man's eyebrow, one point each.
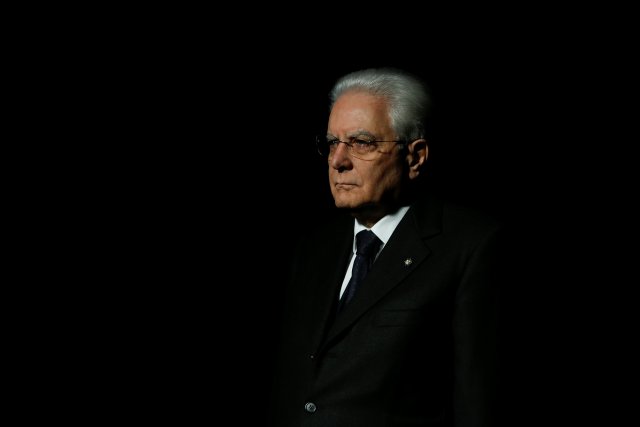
{"type": "Point", "coordinates": [356, 133]}
{"type": "Point", "coordinates": [361, 132]}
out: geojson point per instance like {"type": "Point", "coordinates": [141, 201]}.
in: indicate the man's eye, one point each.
{"type": "Point", "coordinates": [362, 142]}
{"type": "Point", "coordinates": [333, 142]}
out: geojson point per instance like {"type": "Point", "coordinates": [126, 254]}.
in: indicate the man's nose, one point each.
{"type": "Point", "coordinates": [340, 156]}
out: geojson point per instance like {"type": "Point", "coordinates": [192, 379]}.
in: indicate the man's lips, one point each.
{"type": "Point", "coordinates": [344, 185]}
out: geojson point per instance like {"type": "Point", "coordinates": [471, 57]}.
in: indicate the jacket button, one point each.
{"type": "Point", "coordinates": [310, 407]}
{"type": "Point", "coordinates": [312, 356]}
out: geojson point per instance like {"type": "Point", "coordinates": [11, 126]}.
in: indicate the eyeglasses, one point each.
{"type": "Point", "coordinates": [357, 146]}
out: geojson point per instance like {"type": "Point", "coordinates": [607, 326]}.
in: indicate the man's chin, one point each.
{"type": "Point", "coordinates": [345, 205]}
{"type": "Point", "coordinates": [343, 201]}
{"type": "Point", "coordinates": [351, 205]}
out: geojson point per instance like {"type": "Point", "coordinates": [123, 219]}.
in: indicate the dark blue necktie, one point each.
{"type": "Point", "coordinates": [367, 245]}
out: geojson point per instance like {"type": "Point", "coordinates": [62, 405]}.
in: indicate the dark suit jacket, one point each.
{"type": "Point", "coordinates": [415, 347]}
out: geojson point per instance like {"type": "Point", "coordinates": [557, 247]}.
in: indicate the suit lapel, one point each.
{"type": "Point", "coordinates": [403, 253]}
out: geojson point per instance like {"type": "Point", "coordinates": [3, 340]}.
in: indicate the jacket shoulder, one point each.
{"type": "Point", "coordinates": [435, 215]}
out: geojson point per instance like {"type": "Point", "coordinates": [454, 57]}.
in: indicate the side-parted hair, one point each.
{"type": "Point", "coordinates": [408, 98]}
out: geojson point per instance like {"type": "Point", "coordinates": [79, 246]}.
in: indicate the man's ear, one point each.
{"type": "Point", "coordinates": [418, 153]}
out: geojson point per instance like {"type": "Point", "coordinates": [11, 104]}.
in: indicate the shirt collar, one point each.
{"type": "Point", "coordinates": [384, 228]}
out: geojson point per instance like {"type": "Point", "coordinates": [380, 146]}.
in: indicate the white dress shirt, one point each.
{"type": "Point", "coordinates": [383, 229]}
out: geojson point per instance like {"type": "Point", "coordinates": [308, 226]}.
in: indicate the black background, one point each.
{"type": "Point", "coordinates": [165, 163]}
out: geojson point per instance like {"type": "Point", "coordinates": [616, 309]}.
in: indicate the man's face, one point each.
{"type": "Point", "coordinates": [357, 183]}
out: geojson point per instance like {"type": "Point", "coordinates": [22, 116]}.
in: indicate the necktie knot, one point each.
{"type": "Point", "coordinates": [367, 243]}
